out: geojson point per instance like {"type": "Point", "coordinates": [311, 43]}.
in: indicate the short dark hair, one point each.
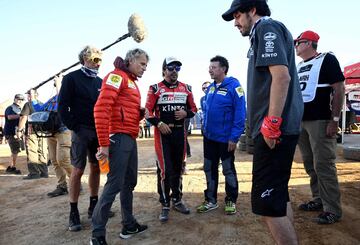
{"type": "Point", "coordinates": [32, 89]}
{"type": "Point", "coordinates": [222, 61]}
{"type": "Point", "coordinates": [314, 45]}
{"type": "Point", "coordinates": [262, 8]}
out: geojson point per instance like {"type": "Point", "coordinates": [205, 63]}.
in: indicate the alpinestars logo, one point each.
{"type": "Point", "coordinates": [266, 193]}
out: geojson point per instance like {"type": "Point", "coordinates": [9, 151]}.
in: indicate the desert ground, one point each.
{"type": "Point", "coordinates": [28, 216]}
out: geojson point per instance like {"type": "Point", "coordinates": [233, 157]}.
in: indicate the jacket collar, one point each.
{"type": "Point", "coordinates": [171, 85]}
{"type": "Point", "coordinates": [120, 65]}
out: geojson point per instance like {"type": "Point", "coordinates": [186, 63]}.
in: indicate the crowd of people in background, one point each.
{"type": "Point", "coordinates": [287, 105]}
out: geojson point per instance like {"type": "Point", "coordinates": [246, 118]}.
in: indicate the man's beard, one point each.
{"type": "Point", "coordinates": [173, 78]}
{"type": "Point", "coordinates": [246, 29]}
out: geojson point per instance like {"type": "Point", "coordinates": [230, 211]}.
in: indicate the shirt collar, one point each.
{"type": "Point", "coordinates": [252, 31]}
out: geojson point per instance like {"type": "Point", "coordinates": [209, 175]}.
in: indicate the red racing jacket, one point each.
{"type": "Point", "coordinates": [117, 109]}
{"type": "Point", "coordinates": [164, 99]}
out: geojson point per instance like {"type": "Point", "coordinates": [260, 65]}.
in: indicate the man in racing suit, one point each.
{"type": "Point", "coordinates": [168, 103]}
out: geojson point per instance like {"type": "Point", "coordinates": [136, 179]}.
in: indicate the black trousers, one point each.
{"type": "Point", "coordinates": [213, 152]}
{"type": "Point", "coordinates": [170, 151]}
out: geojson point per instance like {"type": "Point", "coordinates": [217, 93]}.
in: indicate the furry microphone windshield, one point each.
{"type": "Point", "coordinates": [137, 28]}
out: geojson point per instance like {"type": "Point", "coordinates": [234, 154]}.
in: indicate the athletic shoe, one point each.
{"type": "Point", "coordinates": [311, 206]}
{"type": "Point", "coordinates": [230, 207]}
{"type": "Point", "coordinates": [129, 232]}
{"type": "Point", "coordinates": [206, 207]}
{"type": "Point", "coordinates": [326, 218]}
{"type": "Point", "coordinates": [74, 221]}
{"type": "Point", "coordinates": [16, 171]}
{"type": "Point", "coordinates": [59, 191]}
{"type": "Point", "coordinates": [164, 215]}
{"type": "Point", "coordinates": [9, 170]}
{"type": "Point", "coordinates": [181, 208]}
{"type": "Point", "coordinates": [12, 170]}
{"type": "Point", "coordinates": [98, 241]}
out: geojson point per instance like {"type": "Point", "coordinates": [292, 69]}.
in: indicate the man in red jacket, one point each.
{"type": "Point", "coordinates": [117, 114]}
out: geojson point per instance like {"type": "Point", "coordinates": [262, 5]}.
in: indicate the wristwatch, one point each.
{"type": "Point", "coordinates": [159, 124]}
{"type": "Point", "coordinates": [336, 119]}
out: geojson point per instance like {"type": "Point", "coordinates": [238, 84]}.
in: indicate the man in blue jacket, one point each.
{"type": "Point", "coordinates": [224, 119]}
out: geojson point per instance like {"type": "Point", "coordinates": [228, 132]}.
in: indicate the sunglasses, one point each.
{"type": "Point", "coordinates": [172, 68]}
{"type": "Point", "coordinates": [96, 60]}
{"type": "Point", "coordinates": [204, 88]}
{"type": "Point", "coordinates": [297, 43]}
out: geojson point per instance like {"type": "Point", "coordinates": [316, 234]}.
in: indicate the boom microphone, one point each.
{"type": "Point", "coordinates": [137, 28]}
{"type": "Point", "coordinates": [137, 31]}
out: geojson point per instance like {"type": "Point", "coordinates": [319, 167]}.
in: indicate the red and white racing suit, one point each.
{"type": "Point", "coordinates": [162, 101]}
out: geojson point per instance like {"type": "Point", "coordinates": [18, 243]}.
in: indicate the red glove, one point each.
{"type": "Point", "coordinates": [270, 127]}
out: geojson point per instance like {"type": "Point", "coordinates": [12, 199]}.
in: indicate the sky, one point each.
{"type": "Point", "coordinates": [40, 37]}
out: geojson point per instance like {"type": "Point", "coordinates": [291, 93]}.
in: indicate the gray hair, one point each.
{"type": "Point", "coordinates": [134, 54]}
{"type": "Point", "coordinates": [87, 52]}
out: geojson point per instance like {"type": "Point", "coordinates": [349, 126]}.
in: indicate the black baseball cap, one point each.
{"type": "Point", "coordinates": [237, 5]}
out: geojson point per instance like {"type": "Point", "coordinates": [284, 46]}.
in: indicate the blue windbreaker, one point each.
{"type": "Point", "coordinates": [224, 115]}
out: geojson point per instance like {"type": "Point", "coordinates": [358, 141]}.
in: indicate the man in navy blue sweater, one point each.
{"type": "Point", "coordinates": [77, 97]}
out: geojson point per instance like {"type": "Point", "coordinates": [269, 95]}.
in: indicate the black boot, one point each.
{"type": "Point", "coordinates": [43, 170]}
{"type": "Point", "coordinates": [12, 170]}
{"type": "Point", "coordinates": [33, 172]}
{"type": "Point", "coordinates": [59, 191]}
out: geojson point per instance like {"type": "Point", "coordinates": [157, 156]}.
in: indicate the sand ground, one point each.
{"type": "Point", "coordinates": [28, 216]}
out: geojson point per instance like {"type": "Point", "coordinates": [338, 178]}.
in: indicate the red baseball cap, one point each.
{"type": "Point", "coordinates": [308, 35]}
